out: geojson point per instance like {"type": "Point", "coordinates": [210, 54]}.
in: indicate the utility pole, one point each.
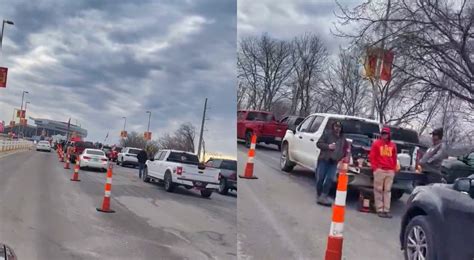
{"type": "Point", "coordinates": [202, 129]}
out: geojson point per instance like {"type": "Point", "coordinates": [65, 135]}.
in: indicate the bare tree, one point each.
{"type": "Point", "coordinates": [436, 38]}
{"type": "Point", "coordinates": [309, 57]}
{"type": "Point", "coordinates": [264, 65]}
{"type": "Point", "coordinates": [133, 139]}
{"type": "Point", "coordinates": [345, 91]}
{"type": "Point", "coordinates": [183, 139]}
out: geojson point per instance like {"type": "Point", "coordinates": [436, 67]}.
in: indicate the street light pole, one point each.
{"type": "Point", "coordinates": [21, 109]}
{"type": "Point", "coordinates": [23, 128]}
{"type": "Point", "coordinates": [124, 123]}
{"type": "Point", "coordinates": [3, 28]}
{"type": "Point", "coordinates": [149, 118]}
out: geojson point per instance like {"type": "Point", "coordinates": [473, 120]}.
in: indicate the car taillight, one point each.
{"type": "Point", "coordinates": [104, 160]}
{"type": "Point", "coordinates": [179, 170]}
{"type": "Point", "coordinates": [233, 176]}
{"type": "Point", "coordinates": [86, 158]}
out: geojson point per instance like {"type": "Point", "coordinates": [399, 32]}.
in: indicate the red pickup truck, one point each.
{"type": "Point", "coordinates": [261, 123]}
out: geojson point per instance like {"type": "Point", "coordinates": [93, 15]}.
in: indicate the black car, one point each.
{"type": "Point", "coordinates": [228, 174]}
{"type": "Point", "coordinates": [463, 166]}
{"type": "Point", "coordinates": [438, 223]}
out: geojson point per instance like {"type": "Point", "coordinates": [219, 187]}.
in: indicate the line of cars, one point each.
{"type": "Point", "coordinates": [424, 232]}
{"type": "Point", "coordinates": [180, 168]}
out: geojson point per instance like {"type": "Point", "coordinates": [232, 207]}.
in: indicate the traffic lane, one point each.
{"type": "Point", "coordinates": [46, 217]}
{"type": "Point", "coordinates": [366, 236]}
{"type": "Point", "coordinates": [68, 226]}
{"type": "Point", "coordinates": [208, 225]}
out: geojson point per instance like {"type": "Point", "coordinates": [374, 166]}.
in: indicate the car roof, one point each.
{"type": "Point", "coordinates": [176, 151]}
{"type": "Point", "coordinates": [257, 111]}
{"type": "Point", "coordinates": [338, 116]}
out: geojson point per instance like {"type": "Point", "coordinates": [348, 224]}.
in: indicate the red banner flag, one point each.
{"type": "Point", "coordinates": [3, 77]}
{"type": "Point", "coordinates": [147, 136]}
{"type": "Point", "coordinates": [386, 72]}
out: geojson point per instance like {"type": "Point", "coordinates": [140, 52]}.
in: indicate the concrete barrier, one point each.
{"type": "Point", "coordinates": [14, 145]}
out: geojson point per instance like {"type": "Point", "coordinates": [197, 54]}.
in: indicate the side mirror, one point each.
{"type": "Point", "coordinates": [152, 159]}
{"type": "Point", "coordinates": [201, 166]}
{"type": "Point", "coordinates": [464, 185]}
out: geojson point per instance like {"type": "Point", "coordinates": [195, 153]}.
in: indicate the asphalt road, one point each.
{"type": "Point", "coordinates": [43, 215]}
{"type": "Point", "coordinates": [278, 217]}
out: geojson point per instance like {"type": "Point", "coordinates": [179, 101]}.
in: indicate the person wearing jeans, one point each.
{"type": "Point", "coordinates": [383, 160]}
{"type": "Point", "coordinates": [333, 147]}
{"type": "Point", "coordinates": [142, 158]}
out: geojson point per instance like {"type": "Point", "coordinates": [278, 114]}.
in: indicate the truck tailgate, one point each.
{"type": "Point", "coordinates": [208, 175]}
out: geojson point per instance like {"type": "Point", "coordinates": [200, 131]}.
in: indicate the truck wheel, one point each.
{"type": "Point", "coordinates": [169, 185]}
{"type": "Point", "coordinates": [206, 193]}
{"type": "Point", "coordinates": [396, 194]}
{"type": "Point", "coordinates": [248, 139]}
{"type": "Point", "coordinates": [223, 186]}
{"type": "Point", "coordinates": [418, 242]}
{"type": "Point", "coordinates": [145, 177]}
{"type": "Point", "coordinates": [285, 164]}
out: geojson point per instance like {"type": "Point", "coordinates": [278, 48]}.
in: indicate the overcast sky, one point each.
{"type": "Point", "coordinates": [97, 61]}
{"type": "Point", "coordinates": [287, 19]}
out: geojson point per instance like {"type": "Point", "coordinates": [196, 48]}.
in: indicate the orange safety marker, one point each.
{"type": "Point", "coordinates": [335, 238]}
{"type": "Point", "coordinates": [108, 187]}
{"type": "Point", "coordinates": [75, 176]}
{"type": "Point", "coordinates": [248, 174]}
{"type": "Point", "coordinates": [66, 165]}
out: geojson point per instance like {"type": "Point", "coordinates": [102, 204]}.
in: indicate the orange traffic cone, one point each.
{"type": "Point", "coordinates": [75, 176]}
{"type": "Point", "coordinates": [108, 187]}
{"type": "Point", "coordinates": [66, 165]}
{"type": "Point", "coordinates": [248, 174]}
{"type": "Point", "coordinates": [364, 203]}
{"type": "Point", "coordinates": [335, 238]}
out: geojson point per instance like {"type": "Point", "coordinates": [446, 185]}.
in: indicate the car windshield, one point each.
{"type": "Point", "coordinates": [405, 135]}
{"type": "Point", "coordinates": [134, 151]}
{"type": "Point", "coordinates": [354, 126]}
{"type": "Point", "coordinates": [95, 152]}
{"type": "Point", "coordinates": [229, 165]}
{"type": "Point", "coordinates": [183, 158]}
{"type": "Point", "coordinates": [259, 116]}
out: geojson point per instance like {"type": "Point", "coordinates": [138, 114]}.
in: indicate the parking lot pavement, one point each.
{"type": "Point", "coordinates": [46, 216]}
{"type": "Point", "coordinates": [278, 217]}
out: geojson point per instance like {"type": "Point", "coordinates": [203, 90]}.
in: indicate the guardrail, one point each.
{"type": "Point", "coordinates": [12, 145]}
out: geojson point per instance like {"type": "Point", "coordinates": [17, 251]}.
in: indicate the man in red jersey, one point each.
{"type": "Point", "coordinates": [383, 160]}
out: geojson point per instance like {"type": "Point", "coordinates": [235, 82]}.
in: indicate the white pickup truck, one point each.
{"type": "Point", "coordinates": [299, 148]}
{"type": "Point", "coordinates": [176, 168]}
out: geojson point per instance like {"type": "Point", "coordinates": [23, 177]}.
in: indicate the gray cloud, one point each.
{"type": "Point", "coordinates": [96, 61]}
{"type": "Point", "coordinates": [287, 19]}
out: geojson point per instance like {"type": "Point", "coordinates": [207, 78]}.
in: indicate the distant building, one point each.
{"type": "Point", "coordinates": [47, 127]}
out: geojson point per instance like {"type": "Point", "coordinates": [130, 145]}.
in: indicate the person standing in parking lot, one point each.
{"type": "Point", "coordinates": [431, 161]}
{"type": "Point", "coordinates": [142, 158]}
{"type": "Point", "coordinates": [383, 160]}
{"type": "Point", "coordinates": [333, 147]}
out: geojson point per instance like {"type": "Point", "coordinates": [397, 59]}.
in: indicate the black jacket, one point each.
{"type": "Point", "coordinates": [142, 156]}
{"type": "Point", "coordinates": [341, 146]}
